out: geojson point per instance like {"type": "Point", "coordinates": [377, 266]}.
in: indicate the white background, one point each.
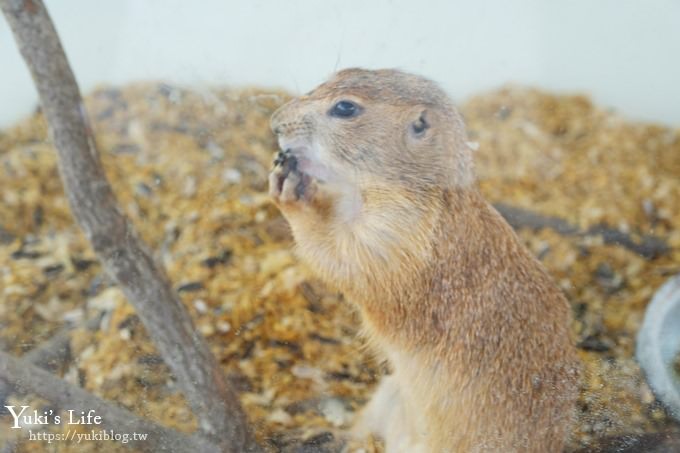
{"type": "Point", "coordinates": [625, 53]}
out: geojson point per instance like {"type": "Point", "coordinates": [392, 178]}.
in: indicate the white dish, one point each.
{"type": "Point", "coordinates": [658, 345]}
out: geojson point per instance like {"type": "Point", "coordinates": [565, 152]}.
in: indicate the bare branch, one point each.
{"type": "Point", "coordinates": [115, 241]}
{"type": "Point", "coordinates": [29, 378]}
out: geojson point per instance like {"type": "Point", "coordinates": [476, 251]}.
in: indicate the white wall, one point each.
{"type": "Point", "coordinates": [626, 53]}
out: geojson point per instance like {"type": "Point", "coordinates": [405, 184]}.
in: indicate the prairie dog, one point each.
{"type": "Point", "coordinates": [377, 183]}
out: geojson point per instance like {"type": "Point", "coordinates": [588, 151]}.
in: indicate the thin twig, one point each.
{"type": "Point", "coordinates": [115, 241]}
{"type": "Point", "coordinates": [661, 442]}
{"type": "Point", "coordinates": [649, 247]}
{"type": "Point", "coordinates": [52, 354]}
{"type": "Point", "coordinates": [29, 378]}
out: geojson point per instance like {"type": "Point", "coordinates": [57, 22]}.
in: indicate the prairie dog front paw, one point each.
{"type": "Point", "coordinates": [287, 184]}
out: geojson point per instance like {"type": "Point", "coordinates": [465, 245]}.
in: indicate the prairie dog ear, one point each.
{"type": "Point", "coordinates": [420, 124]}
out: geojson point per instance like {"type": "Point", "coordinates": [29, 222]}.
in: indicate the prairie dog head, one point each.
{"type": "Point", "coordinates": [378, 128]}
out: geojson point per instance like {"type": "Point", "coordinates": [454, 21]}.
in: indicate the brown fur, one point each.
{"type": "Point", "coordinates": [474, 328]}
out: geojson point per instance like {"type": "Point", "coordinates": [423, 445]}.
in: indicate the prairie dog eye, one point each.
{"type": "Point", "coordinates": [420, 125]}
{"type": "Point", "coordinates": [345, 109]}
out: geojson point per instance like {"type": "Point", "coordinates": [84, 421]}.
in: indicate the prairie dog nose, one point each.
{"type": "Point", "coordinates": [292, 117]}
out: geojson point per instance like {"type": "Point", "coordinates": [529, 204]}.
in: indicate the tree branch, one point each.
{"type": "Point", "coordinates": [29, 378]}
{"type": "Point", "coordinates": [115, 241]}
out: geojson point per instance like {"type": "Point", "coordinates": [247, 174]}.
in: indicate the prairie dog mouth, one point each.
{"type": "Point", "coordinates": [349, 199]}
